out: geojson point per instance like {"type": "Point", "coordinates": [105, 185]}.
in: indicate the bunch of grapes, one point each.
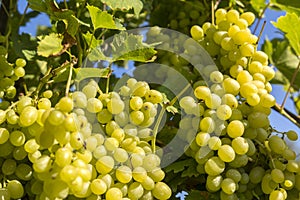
{"type": "Point", "coordinates": [9, 74]}
{"type": "Point", "coordinates": [179, 15]}
{"type": "Point", "coordinates": [89, 145]}
{"type": "Point", "coordinates": [235, 146]}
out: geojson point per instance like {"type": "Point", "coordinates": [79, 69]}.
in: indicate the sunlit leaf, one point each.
{"type": "Point", "coordinates": [137, 5]}
{"type": "Point", "coordinates": [290, 25]}
{"type": "Point", "coordinates": [83, 73]}
{"type": "Point", "coordinates": [50, 45]}
{"type": "Point", "coordinates": [102, 19]}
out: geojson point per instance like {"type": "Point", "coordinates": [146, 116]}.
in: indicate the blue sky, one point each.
{"type": "Point", "coordinates": [277, 121]}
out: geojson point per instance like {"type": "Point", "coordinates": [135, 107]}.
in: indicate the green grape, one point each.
{"type": "Point", "coordinates": [17, 138]}
{"type": "Point", "coordinates": [19, 153]}
{"type": "Point", "coordinates": [256, 174]}
{"type": "Point", "coordinates": [240, 145]}
{"type": "Point", "coordinates": [161, 191]}
{"type": "Point", "coordinates": [261, 57]}
{"type": "Point", "coordinates": [56, 117]}
{"type": "Point", "coordinates": [242, 36]}
{"type": "Point", "coordinates": [139, 174]}
{"type": "Point", "coordinates": [42, 164]}
{"type": "Point", "coordinates": [292, 135]}
{"type": "Point", "coordinates": [224, 112]}
{"type": "Point", "coordinates": [197, 32]}
{"type": "Point", "coordinates": [20, 62]}
{"type": "Point", "coordinates": [98, 186]}
{"type": "Point", "coordinates": [231, 86]}
{"type": "Point", "coordinates": [123, 174]}
{"type": "Point", "coordinates": [24, 172]}
{"type": "Point", "coordinates": [226, 153]}
{"type": "Point", "coordinates": [232, 16]}
{"type": "Point", "coordinates": [201, 92]}
{"type": "Point", "coordinates": [63, 157]}
{"type": "Point", "coordinates": [277, 175]}
{"type": "Point", "coordinates": [122, 118]}
{"type": "Point", "coordinates": [247, 49]}
{"type": "Point", "coordinates": [214, 143]}
{"type": "Point", "coordinates": [213, 183]}
{"type": "Point", "coordinates": [115, 106]}
{"type": "Point", "coordinates": [266, 184]}
{"type": "Point", "coordinates": [289, 154]}
{"type": "Point", "coordinates": [135, 190]}
{"type": "Point", "coordinates": [258, 120]}
{"type": "Point", "coordinates": [214, 166]}
{"type": "Point", "coordinates": [249, 17]}
{"type": "Point", "coordinates": [235, 129]}
{"type": "Point", "coordinates": [68, 173]}
{"type": "Point", "coordinates": [120, 155]}
{"type": "Point", "coordinates": [9, 167]}
{"type": "Point", "coordinates": [227, 44]}
{"type": "Point", "coordinates": [4, 135]}
{"type": "Point", "coordinates": [267, 100]}
{"type": "Point", "coordinates": [111, 144]}
{"type": "Point", "coordinates": [276, 195]}
{"type": "Point", "coordinates": [104, 116]}
{"type": "Point", "coordinates": [207, 124]}
{"type": "Point", "coordinates": [19, 72]}
{"type": "Point", "coordinates": [140, 89]}
{"type": "Point", "coordinates": [56, 188]}
{"type": "Point", "coordinates": [277, 144]}
{"type": "Point", "coordinates": [239, 161]}
{"type": "Point", "coordinates": [65, 104]}
{"type": "Point", "coordinates": [228, 186]}
{"type": "Point", "coordinates": [79, 99]}
{"type": "Point", "coordinates": [247, 89]}
{"type": "Point", "coordinates": [150, 162]}
{"type": "Point", "coordinates": [292, 166]}
{"type": "Point", "coordinates": [94, 105]}
{"type": "Point", "coordinates": [219, 36]}
{"type": "Point", "coordinates": [136, 103]}
{"type": "Point", "coordinates": [202, 138]}
{"type": "Point", "coordinates": [15, 189]}
{"type": "Point", "coordinates": [136, 117]}
{"type": "Point", "coordinates": [154, 96]}
{"type": "Point", "coordinates": [157, 174]}
{"type": "Point", "coordinates": [234, 174]}
{"type": "Point", "coordinates": [242, 23]}
{"type": "Point", "coordinates": [233, 30]}
{"type": "Point", "coordinates": [105, 164]}
{"type": "Point", "coordinates": [44, 103]}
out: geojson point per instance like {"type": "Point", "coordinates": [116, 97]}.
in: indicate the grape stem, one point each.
{"type": "Point", "coordinates": [288, 114]}
{"type": "Point", "coordinates": [291, 85]}
{"type": "Point", "coordinates": [73, 62]}
{"type": "Point", "coordinates": [260, 17]}
{"type": "Point", "coordinates": [155, 129]}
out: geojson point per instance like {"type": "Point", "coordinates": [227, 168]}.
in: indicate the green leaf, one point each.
{"type": "Point", "coordinates": [290, 24]}
{"type": "Point", "coordinates": [283, 58]}
{"type": "Point", "coordinates": [196, 194]}
{"type": "Point", "coordinates": [62, 76]}
{"type": "Point", "coordinates": [49, 45]}
{"type": "Point", "coordinates": [190, 171]}
{"type": "Point", "coordinates": [131, 47]}
{"type": "Point", "coordinates": [83, 73]}
{"type": "Point", "coordinates": [291, 6]}
{"type": "Point", "coordinates": [179, 166]}
{"type": "Point", "coordinates": [29, 54]}
{"type": "Point", "coordinates": [91, 41]}
{"type": "Point", "coordinates": [258, 5]}
{"type": "Point", "coordinates": [38, 5]}
{"type": "Point", "coordinates": [102, 19]}
{"type": "Point", "coordinates": [137, 5]}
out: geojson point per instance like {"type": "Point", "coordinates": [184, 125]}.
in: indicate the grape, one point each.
{"type": "Point", "coordinates": [213, 183]}
{"type": "Point", "coordinates": [63, 157]}
{"type": "Point", "coordinates": [234, 174]}
{"type": "Point", "coordinates": [207, 125]}
{"type": "Point", "coordinates": [28, 116]}
{"type": "Point", "coordinates": [94, 105]}
{"type": "Point", "coordinates": [277, 175]}
{"type": "Point", "coordinates": [226, 153]}
{"type": "Point", "coordinates": [4, 193]}
{"type": "Point", "coordinates": [235, 129]}
{"type": "Point", "coordinates": [120, 155]}
{"type": "Point", "coordinates": [256, 174]}
{"type": "Point", "coordinates": [42, 164]}
{"type": "Point", "coordinates": [214, 166]}
{"type": "Point", "coordinates": [139, 174]}
{"type": "Point", "coordinates": [224, 112]}
{"type": "Point", "coordinates": [231, 86]}
{"type": "Point", "coordinates": [135, 190]}
{"type": "Point", "coordinates": [161, 191]}
{"type": "Point", "coordinates": [17, 138]}
{"type": "Point", "coordinates": [292, 135]}
{"type": "Point", "coordinates": [136, 117]}
{"type": "Point", "coordinates": [202, 138]}
{"type": "Point", "coordinates": [4, 135]}
{"type": "Point", "coordinates": [19, 71]}
{"type": "Point", "coordinates": [258, 120]}
{"type": "Point", "coordinates": [104, 116]}
{"type": "Point", "coordinates": [9, 166]}
{"type": "Point", "coordinates": [240, 145]}
{"type": "Point", "coordinates": [277, 144]}
{"type": "Point", "coordinates": [276, 195]}
{"type": "Point", "coordinates": [15, 189]}
{"type": "Point", "coordinates": [228, 186]}
{"type": "Point", "coordinates": [197, 32]}
{"type": "Point", "coordinates": [105, 164]}
{"type": "Point", "coordinates": [201, 92]}
{"type": "Point", "coordinates": [214, 143]}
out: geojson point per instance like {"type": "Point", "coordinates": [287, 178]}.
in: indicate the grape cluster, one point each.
{"type": "Point", "coordinates": [89, 145]}
{"type": "Point", "coordinates": [9, 73]}
{"type": "Point", "coordinates": [179, 15]}
{"type": "Point", "coordinates": [235, 146]}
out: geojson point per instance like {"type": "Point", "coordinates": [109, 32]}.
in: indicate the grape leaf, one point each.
{"type": "Point", "coordinates": [83, 73]}
{"type": "Point", "coordinates": [49, 45]}
{"type": "Point", "coordinates": [137, 5]}
{"type": "Point", "coordinates": [102, 19]}
{"type": "Point", "coordinates": [37, 5]}
{"type": "Point", "coordinates": [180, 166]}
{"type": "Point", "coordinates": [258, 5]}
{"type": "Point", "coordinates": [131, 47]}
{"type": "Point", "coordinates": [91, 41]}
{"type": "Point", "coordinates": [290, 24]}
{"type": "Point", "coordinates": [291, 6]}
{"type": "Point", "coordinates": [282, 57]}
